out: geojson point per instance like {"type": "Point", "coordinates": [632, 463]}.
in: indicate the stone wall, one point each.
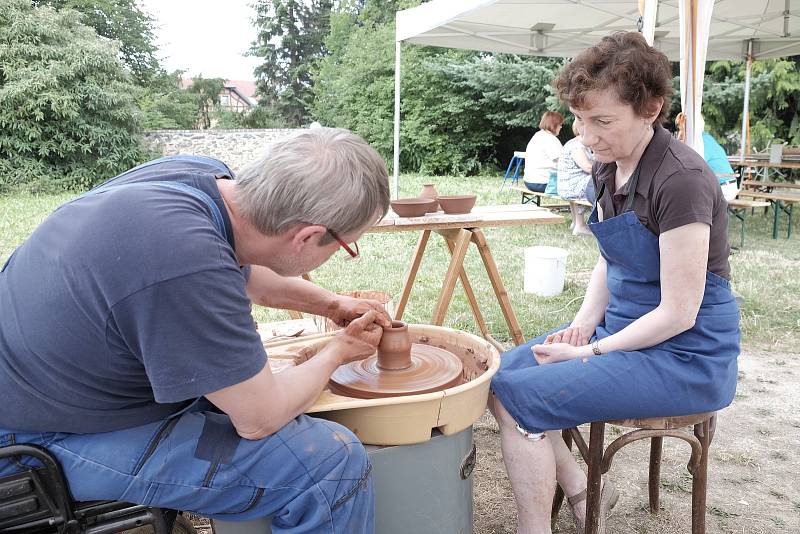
{"type": "Point", "coordinates": [234, 147]}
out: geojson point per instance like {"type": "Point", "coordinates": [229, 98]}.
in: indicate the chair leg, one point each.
{"type": "Point", "coordinates": [558, 498]}
{"type": "Point", "coordinates": [654, 479]}
{"type": "Point", "coordinates": [593, 480]}
{"type": "Point", "coordinates": [700, 478]}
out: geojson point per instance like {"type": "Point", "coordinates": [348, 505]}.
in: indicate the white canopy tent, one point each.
{"type": "Point", "coordinates": [690, 31]}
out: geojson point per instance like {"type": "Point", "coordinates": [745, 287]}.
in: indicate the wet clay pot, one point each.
{"type": "Point", "coordinates": [394, 350]}
{"type": "Point", "coordinates": [429, 191]}
{"type": "Point", "coordinates": [457, 203]}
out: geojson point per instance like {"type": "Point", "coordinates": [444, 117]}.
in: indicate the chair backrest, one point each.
{"type": "Point", "coordinates": [37, 500]}
{"type": "Point", "coordinates": [36, 496]}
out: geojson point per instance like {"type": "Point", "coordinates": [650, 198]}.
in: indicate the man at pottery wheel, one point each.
{"type": "Point", "coordinates": [128, 310]}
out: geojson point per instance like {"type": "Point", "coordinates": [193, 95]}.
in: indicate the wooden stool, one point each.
{"type": "Point", "coordinates": [656, 429]}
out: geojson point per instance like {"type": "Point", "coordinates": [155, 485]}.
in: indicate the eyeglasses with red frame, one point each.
{"type": "Point", "coordinates": [353, 253]}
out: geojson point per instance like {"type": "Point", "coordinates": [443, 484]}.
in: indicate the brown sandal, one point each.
{"type": "Point", "coordinates": [608, 499]}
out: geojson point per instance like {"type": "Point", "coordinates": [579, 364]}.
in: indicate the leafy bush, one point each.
{"type": "Point", "coordinates": [258, 117]}
{"type": "Point", "coordinates": [443, 130]}
{"type": "Point", "coordinates": [462, 112]}
{"type": "Point", "coordinates": [164, 105]}
{"type": "Point", "coordinates": [774, 100]}
{"type": "Point", "coordinates": [67, 118]}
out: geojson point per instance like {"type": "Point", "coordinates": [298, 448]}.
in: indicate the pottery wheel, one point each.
{"type": "Point", "coordinates": [431, 369]}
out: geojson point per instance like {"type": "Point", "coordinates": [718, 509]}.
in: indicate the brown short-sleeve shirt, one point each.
{"type": "Point", "coordinates": [676, 187]}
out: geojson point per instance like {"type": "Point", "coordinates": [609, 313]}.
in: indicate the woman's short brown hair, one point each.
{"type": "Point", "coordinates": [551, 121]}
{"type": "Point", "coordinates": [640, 75]}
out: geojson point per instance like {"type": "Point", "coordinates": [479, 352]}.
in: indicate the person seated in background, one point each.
{"type": "Point", "coordinates": [715, 156]}
{"type": "Point", "coordinates": [542, 152]}
{"type": "Point", "coordinates": [575, 178]}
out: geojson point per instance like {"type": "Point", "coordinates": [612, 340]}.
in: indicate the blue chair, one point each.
{"type": "Point", "coordinates": [516, 163]}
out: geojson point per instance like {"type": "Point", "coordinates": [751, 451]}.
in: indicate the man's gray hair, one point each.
{"type": "Point", "coordinates": [325, 176]}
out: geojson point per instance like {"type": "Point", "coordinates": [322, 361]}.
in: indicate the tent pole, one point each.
{"type": "Point", "coordinates": [746, 109]}
{"type": "Point", "coordinates": [396, 161]}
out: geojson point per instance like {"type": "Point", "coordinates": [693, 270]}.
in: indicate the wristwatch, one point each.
{"type": "Point", "coordinates": [596, 347]}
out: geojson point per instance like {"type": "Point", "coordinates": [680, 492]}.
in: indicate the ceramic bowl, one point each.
{"type": "Point", "coordinates": [457, 203]}
{"type": "Point", "coordinates": [413, 207]}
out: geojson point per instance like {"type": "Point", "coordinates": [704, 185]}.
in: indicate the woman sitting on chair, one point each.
{"type": "Point", "coordinates": [575, 178]}
{"type": "Point", "coordinates": [657, 334]}
{"type": "Point", "coordinates": [542, 152]}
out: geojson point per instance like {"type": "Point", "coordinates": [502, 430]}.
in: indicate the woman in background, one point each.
{"type": "Point", "coordinates": [575, 178]}
{"type": "Point", "coordinates": [542, 152]}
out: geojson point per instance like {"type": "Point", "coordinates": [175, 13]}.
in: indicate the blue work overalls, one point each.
{"type": "Point", "coordinates": [312, 476]}
{"type": "Point", "coordinates": [692, 372]}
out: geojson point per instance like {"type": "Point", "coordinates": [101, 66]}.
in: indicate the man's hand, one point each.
{"type": "Point", "coordinates": [575, 335]}
{"type": "Point", "coordinates": [554, 352]}
{"type": "Point", "coordinates": [345, 309]}
{"type": "Point", "coordinates": [359, 339]}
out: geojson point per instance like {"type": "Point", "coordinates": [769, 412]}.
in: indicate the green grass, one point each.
{"type": "Point", "coordinates": [765, 272]}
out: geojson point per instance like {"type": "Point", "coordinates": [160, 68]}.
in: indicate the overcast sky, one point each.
{"type": "Point", "coordinates": [207, 37]}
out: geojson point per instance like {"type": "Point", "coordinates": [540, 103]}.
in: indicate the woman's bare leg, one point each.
{"type": "Point", "coordinates": [570, 476]}
{"type": "Point", "coordinates": [580, 226]}
{"type": "Point", "coordinates": [531, 468]}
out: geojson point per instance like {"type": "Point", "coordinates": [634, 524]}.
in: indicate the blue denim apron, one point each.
{"type": "Point", "coordinates": [692, 372]}
{"type": "Point", "coordinates": [310, 476]}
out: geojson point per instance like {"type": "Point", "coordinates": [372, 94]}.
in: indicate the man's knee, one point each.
{"type": "Point", "coordinates": [349, 458]}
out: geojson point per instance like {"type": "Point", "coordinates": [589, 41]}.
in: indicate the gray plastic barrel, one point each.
{"type": "Point", "coordinates": [424, 488]}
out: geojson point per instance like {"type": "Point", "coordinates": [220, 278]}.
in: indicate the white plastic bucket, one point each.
{"type": "Point", "coordinates": [545, 270]}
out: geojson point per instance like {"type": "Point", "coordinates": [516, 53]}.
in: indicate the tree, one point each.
{"type": "Point", "coordinates": [206, 91]}
{"type": "Point", "coordinates": [164, 104]}
{"type": "Point", "coordinates": [462, 111]}
{"type": "Point", "coordinates": [122, 21]}
{"type": "Point", "coordinates": [774, 101]}
{"type": "Point", "coordinates": [290, 39]}
{"type": "Point", "coordinates": [67, 117]}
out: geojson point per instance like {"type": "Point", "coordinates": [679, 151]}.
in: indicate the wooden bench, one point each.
{"type": "Point", "coordinates": [768, 187]}
{"type": "Point", "coordinates": [781, 202]}
{"type": "Point", "coordinates": [536, 197]}
{"type": "Point", "coordinates": [738, 208]}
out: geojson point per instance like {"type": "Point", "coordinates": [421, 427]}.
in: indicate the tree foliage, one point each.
{"type": "Point", "coordinates": [291, 38]}
{"type": "Point", "coordinates": [774, 101]}
{"type": "Point", "coordinates": [165, 105]}
{"type": "Point", "coordinates": [67, 117]}
{"type": "Point", "coordinates": [206, 95]}
{"type": "Point", "coordinates": [122, 21]}
{"type": "Point", "coordinates": [257, 117]}
{"type": "Point", "coordinates": [461, 110]}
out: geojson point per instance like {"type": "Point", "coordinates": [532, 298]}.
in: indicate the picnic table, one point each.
{"type": "Point", "coordinates": [738, 208]}
{"type": "Point", "coordinates": [781, 202]}
{"type": "Point", "coordinates": [761, 165]}
{"type": "Point", "coordinates": [458, 232]}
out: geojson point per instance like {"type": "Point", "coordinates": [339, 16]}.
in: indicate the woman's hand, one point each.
{"type": "Point", "coordinates": [345, 309]}
{"type": "Point", "coordinates": [554, 352]}
{"type": "Point", "coordinates": [575, 335]}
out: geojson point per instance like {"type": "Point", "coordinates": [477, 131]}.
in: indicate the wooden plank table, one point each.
{"type": "Point", "coordinates": [458, 232]}
{"type": "Point", "coordinates": [769, 186]}
{"type": "Point", "coordinates": [738, 208]}
{"type": "Point", "coordinates": [762, 165]}
{"type": "Point", "coordinates": [781, 202]}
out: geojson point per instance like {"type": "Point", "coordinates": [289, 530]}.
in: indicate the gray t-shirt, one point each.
{"type": "Point", "coordinates": [124, 306]}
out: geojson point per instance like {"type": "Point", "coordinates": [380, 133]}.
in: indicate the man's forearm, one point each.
{"type": "Point", "coordinates": [267, 288]}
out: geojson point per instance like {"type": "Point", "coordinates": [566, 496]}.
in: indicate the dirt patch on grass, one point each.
{"type": "Point", "coordinates": [753, 469]}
